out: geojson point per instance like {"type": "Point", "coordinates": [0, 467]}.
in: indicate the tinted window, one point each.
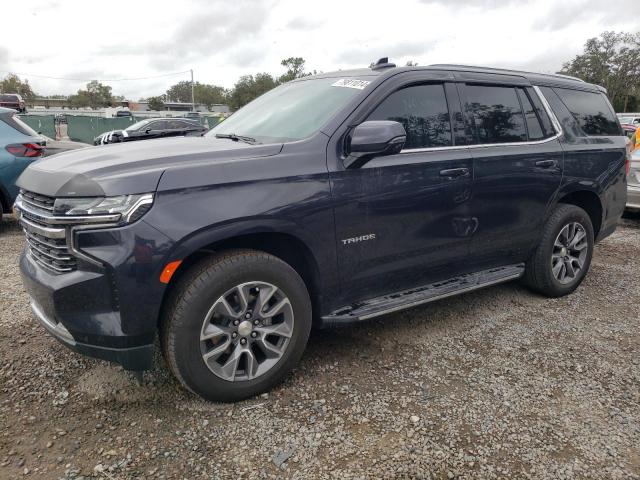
{"type": "Point", "coordinates": [9, 98]}
{"type": "Point", "coordinates": [423, 112]}
{"type": "Point", "coordinates": [15, 122]}
{"type": "Point", "coordinates": [496, 114]}
{"type": "Point", "coordinates": [158, 125]}
{"type": "Point", "coordinates": [533, 123]}
{"type": "Point", "coordinates": [591, 110]}
{"type": "Point", "coordinates": [176, 125]}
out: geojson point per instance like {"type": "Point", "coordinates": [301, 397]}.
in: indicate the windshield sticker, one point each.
{"type": "Point", "coordinates": [351, 83]}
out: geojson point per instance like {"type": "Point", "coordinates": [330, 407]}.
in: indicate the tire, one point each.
{"type": "Point", "coordinates": [554, 251]}
{"type": "Point", "coordinates": [201, 305]}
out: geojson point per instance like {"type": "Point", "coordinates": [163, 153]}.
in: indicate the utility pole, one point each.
{"type": "Point", "coordinates": [193, 101]}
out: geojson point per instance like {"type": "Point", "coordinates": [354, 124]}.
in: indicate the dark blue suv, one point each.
{"type": "Point", "coordinates": [330, 199]}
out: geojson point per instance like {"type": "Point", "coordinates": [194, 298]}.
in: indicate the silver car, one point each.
{"type": "Point", "coordinates": [633, 182]}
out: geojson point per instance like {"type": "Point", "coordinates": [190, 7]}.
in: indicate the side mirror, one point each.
{"type": "Point", "coordinates": [374, 138]}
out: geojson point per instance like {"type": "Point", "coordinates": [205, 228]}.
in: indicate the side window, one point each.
{"type": "Point", "coordinates": [591, 110]}
{"type": "Point", "coordinates": [422, 110]}
{"type": "Point", "coordinates": [534, 127]}
{"type": "Point", "coordinates": [158, 125]}
{"type": "Point", "coordinates": [496, 114]}
{"type": "Point", "coordinates": [175, 125]}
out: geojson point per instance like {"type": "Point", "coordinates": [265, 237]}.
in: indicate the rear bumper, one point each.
{"type": "Point", "coordinates": [633, 197]}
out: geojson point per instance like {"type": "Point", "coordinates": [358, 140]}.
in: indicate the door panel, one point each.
{"type": "Point", "coordinates": [400, 222]}
{"type": "Point", "coordinates": [513, 187]}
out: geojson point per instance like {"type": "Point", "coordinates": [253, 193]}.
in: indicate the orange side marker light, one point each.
{"type": "Point", "coordinates": [169, 270]}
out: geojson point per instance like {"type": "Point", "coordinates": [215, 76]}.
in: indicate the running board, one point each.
{"type": "Point", "coordinates": [425, 294]}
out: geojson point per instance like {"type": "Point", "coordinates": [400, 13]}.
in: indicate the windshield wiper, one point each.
{"type": "Point", "coordinates": [235, 138]}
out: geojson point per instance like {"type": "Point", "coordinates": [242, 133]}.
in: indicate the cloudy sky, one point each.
{"type": "Point", "coordinates": [80, 40]}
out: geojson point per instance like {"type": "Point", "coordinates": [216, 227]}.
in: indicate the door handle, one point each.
{"type": "Point", "coordinates": [546, 164]}
{"type": "Point", "coordinates": [454, 172]}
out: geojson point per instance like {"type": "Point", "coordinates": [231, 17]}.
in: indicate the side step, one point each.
{"type": "Point", "coordinates": [425, 294]}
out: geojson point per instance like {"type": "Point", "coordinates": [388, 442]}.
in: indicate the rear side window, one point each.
{"type": "Point", "coordinates": [495, 114]}
{"type": "Point", "coordinates": [422, 110]}
{"type": "Point", "coordinates": [591, 110]}
{"type": "Point", "coordinates": [14, 122]}
{"type": "Point", "coordinates": [534, 127]}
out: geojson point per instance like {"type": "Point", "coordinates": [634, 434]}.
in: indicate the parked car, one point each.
{"type": "Point", "coordinates": [633, 186]}
{"type": "Point", "coordinates": [13, 101]}
{"type": "Point", "coordinates": [629, 130]}
{"type": "Point", "coordinates": [330, 199]}
{"type": "Point", "coordinates": [152, 128]}
{"type": "Point", "coordinates": [19, 146]}
{"type": "Point", "coordinates": [53, 146]}
{"type": "Point", "coordinates": [629, 119]}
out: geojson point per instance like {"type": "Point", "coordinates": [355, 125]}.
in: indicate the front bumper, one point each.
{"type": "Point", "coordinates": [633, 197]}
{"type": "Point", "coordinates": [107, 309]}
{"type": "Point", "coordinates": [134, 358]}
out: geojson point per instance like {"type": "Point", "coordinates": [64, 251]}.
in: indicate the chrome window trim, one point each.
{"type": "Point", "coordinates": [545, 104]}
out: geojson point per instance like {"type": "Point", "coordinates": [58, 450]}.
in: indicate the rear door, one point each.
{"type": "Point", "coordinates": [403, 220]}
{"type": "Point", "coordinates": [518, 165]}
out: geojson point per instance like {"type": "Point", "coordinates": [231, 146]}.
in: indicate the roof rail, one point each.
{"type": "Point", "coordinates": [506, 70]}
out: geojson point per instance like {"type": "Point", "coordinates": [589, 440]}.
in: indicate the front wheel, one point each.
{"type": "Point", "coordinates": [236, 325]}
{"type": "Point", "coordinates": [563, 256]}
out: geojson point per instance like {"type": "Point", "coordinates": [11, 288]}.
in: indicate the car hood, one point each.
{"type": "Point", "coordinates": [129, 168]}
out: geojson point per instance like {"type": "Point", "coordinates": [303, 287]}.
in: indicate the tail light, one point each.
{"type": "Point", "coordinates": [29, 150]}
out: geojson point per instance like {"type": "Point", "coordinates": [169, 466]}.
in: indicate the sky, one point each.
{"type": "Point", "coordinates": [81, 40]}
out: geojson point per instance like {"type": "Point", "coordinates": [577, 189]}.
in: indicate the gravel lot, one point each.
{"type": "Point", "coordinates": [494, 384]}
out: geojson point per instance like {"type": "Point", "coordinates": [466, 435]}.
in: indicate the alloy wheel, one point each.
{"type": "Point", "coordinates": [569, 253]}
{"type": "Point", "coordinates": [246, 331]}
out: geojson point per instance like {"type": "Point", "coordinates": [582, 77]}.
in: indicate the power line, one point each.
{"type": "Point", "coordinates": [98, 79]}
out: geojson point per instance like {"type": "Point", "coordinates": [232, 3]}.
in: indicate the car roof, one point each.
{"type": "Point", "coordinates": [542, 79]}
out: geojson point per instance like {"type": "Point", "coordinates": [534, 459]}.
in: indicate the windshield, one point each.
{"type": "Point", "coordinates": [292, 111]}
{"type": "Point", "coordinates": [137, 125]}
{"type": "Point", "coordinates": [9, 98]}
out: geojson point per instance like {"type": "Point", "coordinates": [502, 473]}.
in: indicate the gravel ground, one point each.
{"type": "Point", "coordinates": [494, 384]}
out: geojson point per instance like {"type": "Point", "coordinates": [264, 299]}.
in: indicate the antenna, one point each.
{"type": "Point", "coordinates": [383, 63]}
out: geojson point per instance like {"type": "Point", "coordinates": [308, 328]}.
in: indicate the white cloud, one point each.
{"type": "Point", "coordinates": [223, 40]}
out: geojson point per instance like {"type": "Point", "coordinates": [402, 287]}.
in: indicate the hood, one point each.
{"type": "Point", "coordinates": [129, 168]}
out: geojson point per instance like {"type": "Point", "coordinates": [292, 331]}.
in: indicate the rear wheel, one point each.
{"type": "Point", "coordinates": [236, 325]}
{"type": "Point", "coordinates": [562, 259]}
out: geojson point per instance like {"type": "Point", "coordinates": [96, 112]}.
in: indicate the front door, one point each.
{"type": "Point", "coordinates": [403, 220]}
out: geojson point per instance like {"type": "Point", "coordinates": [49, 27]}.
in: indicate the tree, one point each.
{"type": "Point", "coordinates": [13, 84]}
{"type": "Point", "coordinates": [249, 87]}
{"type": "Point", "coordinates": [180, 92]}
{"type": "Point", "coordinates": [156, 104]}
{"type": "Point", "coordinates": [295, 69]}
{"type": "Point", "coordinates": [205, 94]}
{"type": "Point", "coordinates": [209, 95]}
{"type": "Point", "coordinates": [95, 96]}
{"type": "Point", "coordinates": [613, 61]}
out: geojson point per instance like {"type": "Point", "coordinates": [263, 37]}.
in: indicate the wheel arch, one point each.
{"type": "Point", "coordinates": [590, 202]}
{"type": "Point", "coordinates": [284, 245]}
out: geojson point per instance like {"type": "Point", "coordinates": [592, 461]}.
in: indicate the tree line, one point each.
{"type": "Point", "coordinates": [248, 87]}
{"type": "Point", "coordinates": [611, 60]}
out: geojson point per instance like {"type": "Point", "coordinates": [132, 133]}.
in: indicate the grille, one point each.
{"type": "Point", "coordinates": [46, 243]}
{"type": "Point", "coordinates": [51, 253]}
{"type": "Point", "coordinates": [37, 200]}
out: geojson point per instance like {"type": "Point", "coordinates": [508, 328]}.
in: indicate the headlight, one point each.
{"type": "Point", "coordinates": [112, 210]}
